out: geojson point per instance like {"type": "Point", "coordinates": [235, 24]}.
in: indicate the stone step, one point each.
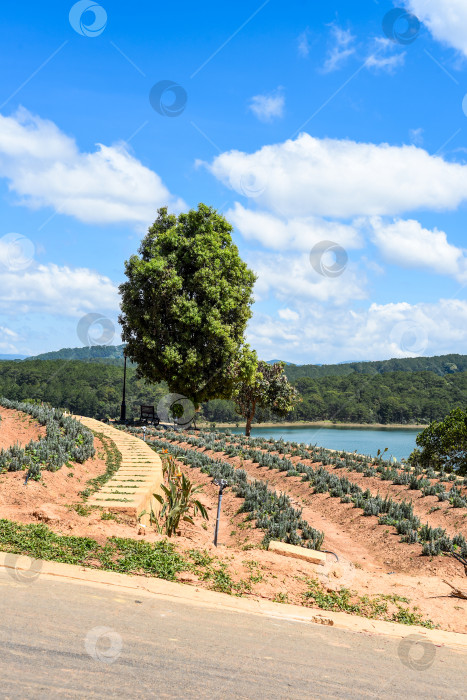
{"type": "Point", "coordinates": [139, 462]}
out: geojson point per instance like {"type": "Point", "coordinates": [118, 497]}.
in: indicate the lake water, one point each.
{"type": "Point", "coordinates": [400, 442]}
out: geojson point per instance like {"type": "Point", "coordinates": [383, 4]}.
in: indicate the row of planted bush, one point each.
{"type": "Point", "coordinates": [66, 440]}
{"type": "Point", "coordinates": [397, 473]}
{"type": "Point", "coordinates": [371, 466]}
{"type": "Point", "coordinates": [273, 512]}
{"type": "Point", "coordinates": [398, 514]}
{"type": "Point", "coordinates": [385, 473]}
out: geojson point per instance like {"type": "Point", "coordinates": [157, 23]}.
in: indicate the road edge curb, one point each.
{"type": "Point", "coordinates": [192, 595]}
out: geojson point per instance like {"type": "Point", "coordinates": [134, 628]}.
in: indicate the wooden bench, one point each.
{"type": "Point", "coordinates": [148, 414]}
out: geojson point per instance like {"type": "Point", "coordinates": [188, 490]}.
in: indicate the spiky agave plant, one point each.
{"type": "Point", "coordinates": [177, 503]}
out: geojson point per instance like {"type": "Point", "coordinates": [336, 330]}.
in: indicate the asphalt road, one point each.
{"type": "Point", "coordinates": [63, 639]}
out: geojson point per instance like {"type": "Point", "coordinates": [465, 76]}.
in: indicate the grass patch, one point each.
{"type": "Point", "coordinates": [281, 597]}
{"type": "Point", "coordinates": [109, 516]}
{"type": "Point", "coordinates": [215, 572]}
{"type": "Point", "coordinates": [82, 510]}
{"type": "Point", "coordinates": [113, 460]}
{"type": "Point", "coordinates": [379, 607]}
{"type": "Point", "coordinates": [118, 554]}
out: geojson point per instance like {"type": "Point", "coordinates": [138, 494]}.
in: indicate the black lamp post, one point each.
{"type": "Point", "coordinates": [123, 406]}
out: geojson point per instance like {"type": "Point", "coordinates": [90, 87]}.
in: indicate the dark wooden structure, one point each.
{"type": "Point", "coordinates": [148, 414]}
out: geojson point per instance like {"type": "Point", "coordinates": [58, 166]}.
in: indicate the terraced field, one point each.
{"type": "Point", "coordinates": [418, 505]}
{"type": "Point", "coordinates": [386, 535]}
{"type": "Point", "coordinates": [377, 522]}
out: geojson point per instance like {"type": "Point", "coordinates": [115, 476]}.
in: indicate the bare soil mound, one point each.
{"type": "Point", "coordinates": [17, 428]}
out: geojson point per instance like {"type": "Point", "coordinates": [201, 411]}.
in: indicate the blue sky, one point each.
{"type": "Point", "coordinates": [306, 123]}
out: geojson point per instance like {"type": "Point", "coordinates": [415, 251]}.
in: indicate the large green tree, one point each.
{"type": "Point", "coordinates": [268, 388]}
{"type": "Point", "coordinates": [444, 444]}
{"type": "Point", "coordinates": [186, 303]}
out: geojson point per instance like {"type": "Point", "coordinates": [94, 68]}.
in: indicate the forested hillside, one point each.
{"type": "Point", "coordinates": [108, 354]}
{"type": "Point", "coordinates": [392, 397]}
{"type": "Point", "coordinates": [84, 388]}
{"type": "Point", "coordinates": [440, 365]}
{"type": "Point", "coordinates": [94, 389]}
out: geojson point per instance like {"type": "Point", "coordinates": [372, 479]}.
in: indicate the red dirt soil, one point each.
{"type": "Point", "coordinates": [372, 561]}
{"type": "Point", "coordinates": [18, 428]}
{"type": "Point", "coordinates": [346, 529]}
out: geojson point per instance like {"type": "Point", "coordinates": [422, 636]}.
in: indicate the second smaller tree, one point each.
{"type": "Point", "coordinates": [270, 389]}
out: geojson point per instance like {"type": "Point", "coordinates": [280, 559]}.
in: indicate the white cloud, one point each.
{"type": "Point", "coordinates": [291, 279]}
{"type": "Point", "coordinates": [45, 168]}
{"type": "Point", "coordinates": [446, 20]}
{"type": "Point", "coordinates": [268, 107]}
{"type": "Point", "coordinates": [386, 63]}
{"type": "Point", "coordinates": [336, 334]}
{"type": "Point", "coordinates": [383, 54]}
{"type": "Point", "coordinates": [416, 136]}
{"type": "Point", "coordinates": [304, 43]}
{"type": "Point", "coordinates": [60, 291]}
{"type": "Point", "coordinates": [341, 48]}
{"type": "Point", "coordinates": [8, 339]}
{"type": "Point", "coordinates": [383, 57]}
{"type": "Point", "coordinates": [340, 178]}
{"type": "Point", "coordinates": [288, 315]}
{"type": "Point", "coordinates": [408, 244]}
{"type": "Point", "coordinates": [294, 233]}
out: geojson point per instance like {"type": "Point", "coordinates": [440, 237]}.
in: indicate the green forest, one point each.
{"type": "Point", "coordinates": [440, 365]}
{"type": "Point", "coordinates": [84, 388]}
{"type": "Point", "coordinates": [365, 395]}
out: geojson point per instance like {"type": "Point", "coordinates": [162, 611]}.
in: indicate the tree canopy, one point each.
{"type": "Point", "coordinates": [269, 389]}
{"type": "Point", "coordinates": [444, 444]}
{"type": "Point", "coordinates": [186, 304]}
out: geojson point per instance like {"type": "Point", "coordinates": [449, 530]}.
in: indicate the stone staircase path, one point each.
{"type": "Point", "coordinates": [130, 490]}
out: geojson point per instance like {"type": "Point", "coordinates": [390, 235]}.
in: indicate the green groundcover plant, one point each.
{"type": "Point", "coordinates": [400, 515]}
{"type": "Point", "coordinates": [66, 440]}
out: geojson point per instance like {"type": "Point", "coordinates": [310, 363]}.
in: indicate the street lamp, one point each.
{"type": "Point", "coordinates": [123, 406]}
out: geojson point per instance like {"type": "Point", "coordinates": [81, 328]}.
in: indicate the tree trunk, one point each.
{"type": "Point", "coordinates": [249, 420]}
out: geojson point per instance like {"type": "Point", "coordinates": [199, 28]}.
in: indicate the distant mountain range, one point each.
{"type": "Point", "coordinates": [107, 354]}
{"type": "Point", "coordinates": [440, 365]}
{"type": "Point", "coordinates": [272, 362]}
